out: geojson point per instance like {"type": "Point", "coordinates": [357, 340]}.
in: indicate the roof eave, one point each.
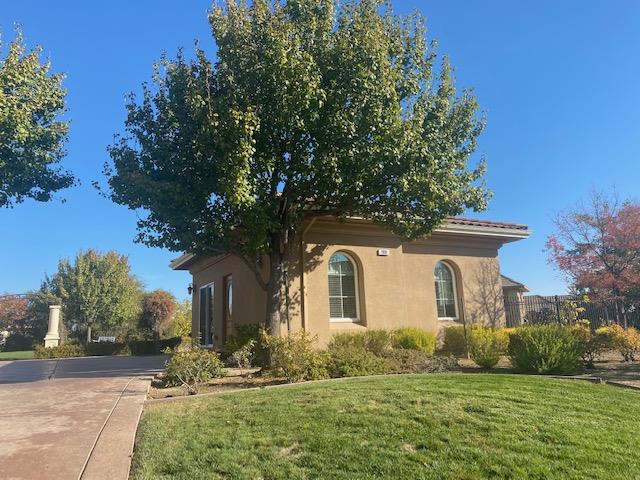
{"type": "Point", "coordinates": [505, 234]}
{"type": "Point", "coordinates": [182, 262]}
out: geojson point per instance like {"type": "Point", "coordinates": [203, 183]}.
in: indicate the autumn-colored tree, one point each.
{"type": "Point", "coordinates": [311, 108]}
{"type": "Point", "coordinates": [13, 310]}
{"type": "Point", "coordinates": [158, 309]}
{"type": "Point", "coordinates": [597, 247]}
{"type": "Point", "coordinates": [32, 135]}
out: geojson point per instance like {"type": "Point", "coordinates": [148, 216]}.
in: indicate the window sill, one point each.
{"type": "Point", "coordinates": [344, 320]}
{"type": "Point", "coordinates": [448, 319]}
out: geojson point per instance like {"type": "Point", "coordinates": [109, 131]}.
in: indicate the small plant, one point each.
{"type": "Point", "coordinates": [188, 368]}
{"type": "Point", "coordinates": [544, 349]}
{"type": "Point", "coordinates": [243, 356]}
{"type": "Point", "coordinates": [487, 345]}
{"type": "Point", "coordinates": [625, 341]}
{"type": "Point", "coordinates": [294, 358]}
{"type": "Point", "coordinates": [410, 338]}
{"type": "Point", "coordinates": [454, 341]}
{"type": "Point", "coordinates": [66, 350]}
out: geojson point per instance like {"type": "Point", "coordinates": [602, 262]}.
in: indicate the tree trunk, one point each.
{"type": "Point", "coordinates": [88, 333]}
{"type": "Point", "coordinates": [276, 293]}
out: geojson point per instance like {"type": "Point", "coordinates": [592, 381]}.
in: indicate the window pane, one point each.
{"type": "Point", "coordinates": [445, 293]}
{"type": "Point", "coordinates": [342, 287]}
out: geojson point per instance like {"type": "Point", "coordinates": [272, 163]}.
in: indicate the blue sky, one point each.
{"type": "Point", "coordinates": [558, 82]}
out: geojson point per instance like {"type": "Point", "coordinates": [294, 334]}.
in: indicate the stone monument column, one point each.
{"type": "Point", "coordinates": [52, 339]}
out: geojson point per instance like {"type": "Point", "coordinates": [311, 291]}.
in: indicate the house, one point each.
{"type": "Point", "coordinates": [353, 275]}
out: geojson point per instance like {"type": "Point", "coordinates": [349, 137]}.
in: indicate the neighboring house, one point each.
{"type": "Point", "coordinates": [513, 301]}
{"type": "Point", "coordinates": [353, 275]}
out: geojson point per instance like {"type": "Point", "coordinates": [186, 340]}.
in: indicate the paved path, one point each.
{"type": "Point", "coordinates": [71, 418]}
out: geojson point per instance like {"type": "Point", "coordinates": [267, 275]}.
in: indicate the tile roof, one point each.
{"type": "Point", "coordinates": [486, 223]}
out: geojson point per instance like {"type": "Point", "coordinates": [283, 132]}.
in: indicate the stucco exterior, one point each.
{"type": "Point", "coordinates": [395, 279]}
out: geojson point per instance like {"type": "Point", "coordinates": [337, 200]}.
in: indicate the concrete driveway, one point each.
{"type": "Point", "coordinates": [71, 418]}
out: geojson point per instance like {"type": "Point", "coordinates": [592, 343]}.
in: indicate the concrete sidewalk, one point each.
{"type": "Point", "coordinates": [72, 418]}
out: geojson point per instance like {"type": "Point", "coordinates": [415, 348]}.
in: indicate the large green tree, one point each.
{"type": "Point", "coordinates": [32, 136]}
{"type": "Point", "coordinates": [308, 109]}
{"type": "Point", "coordinates": [98, 292]}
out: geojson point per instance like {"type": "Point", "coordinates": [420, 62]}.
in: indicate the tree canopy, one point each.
{"type": "Point", "coordinates": [597, 247]}
{"type": "Point", "coordinates": [308, 109]}
{"type": "Point", "coordinates": [97, 291]}
{"type": "Point", "coordinates": [32, 136]}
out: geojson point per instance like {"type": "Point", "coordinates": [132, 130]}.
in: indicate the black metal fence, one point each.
{"type": "Point", "coordinates": [537, 309]}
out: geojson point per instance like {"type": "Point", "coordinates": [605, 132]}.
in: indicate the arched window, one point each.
{"type": "Point", "coordinates": [343, 288]}
{"type": "Point", "coordinates": [446, 297]}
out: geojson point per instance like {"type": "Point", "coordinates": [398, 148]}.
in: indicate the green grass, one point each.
{"type": "Point", "coordinates": [19, 355]}
{"type": "Point", "coordinates": [451, 426]}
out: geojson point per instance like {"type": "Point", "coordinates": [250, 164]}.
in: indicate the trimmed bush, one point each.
{"type": "Point", "coordinates": [352, 359]}
{"type": "Point", "coordinates": [66, 350]}
{"type": "Point", "coordinates": [410, 338]}
{"type": "Point", "coordinates": [544, 349]}
{"type": "Point", "coordinates": [243, 357]}
{"type": "Point", "coordinates": [454, 341]}
{"type": "Point", "coordinates": [415, 361]}
{"type": "Point", "coordinates": [294, 358]}
{"type": "Point", "coordinates": [378, 342]}
{"type": "Point", "coordinates": [487, 345]}
{"type": "Point", "coordinates": [188, 368]}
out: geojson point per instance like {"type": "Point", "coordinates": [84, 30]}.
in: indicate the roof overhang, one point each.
{"type": "Point", "coordinates": [183, 262]}
{"type": "Point", "coordinates": [502, 233]}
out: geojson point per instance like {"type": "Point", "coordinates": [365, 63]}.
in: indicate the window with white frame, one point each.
{"type": "Point", "coordinates": [446, 296]}
{"type": "Point", "coordinates": [343, 288]}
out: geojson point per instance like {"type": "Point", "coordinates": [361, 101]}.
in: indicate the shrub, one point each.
{"type": "Point", "coordinates": [243, 357]}
{"type": "Point", "coordinates": [544, 349]}
{"type": "Point", "coordinates": [591, 344]}
{"type": "Point", "coordinates": [188, 368]}
{"type": "Point", "coordinates": [352, 359]}
{"type": "Point", "coordinates": [65, 350]}
{"type": "Point", "coordinates": [414, 339]}
{"type": "Point", "coordinates": [454, 341]}
{"type": "Point", "coordinates": [415, 361]}
{"type": "Point", "coordinates": [627, 342]}
{"type": "Point", "coordinates": [487, 345]}
{"type": "Point", "coordinates": [244, 334]}
{"type": "Point", "coordinates": [294, 358]}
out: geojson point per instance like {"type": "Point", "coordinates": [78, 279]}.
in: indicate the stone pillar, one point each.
{"type": "Point", "coordinates": [53, 335]}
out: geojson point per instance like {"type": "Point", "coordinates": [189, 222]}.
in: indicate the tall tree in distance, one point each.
{"type": "Point", "coordinates": [32, 136]}
{"type": "Point", "coordinates": [309, 109]}
{"type": "Point", "coordinates": [97, 291]}
{"type": "Point", "coordinates": [597, 248]}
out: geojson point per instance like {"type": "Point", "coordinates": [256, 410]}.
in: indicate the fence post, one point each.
{"type": "Point", "coordinates": [557, 309]}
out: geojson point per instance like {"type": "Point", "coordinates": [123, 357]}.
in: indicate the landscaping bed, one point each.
{"type": "Point", "coordinates": [440, 426]}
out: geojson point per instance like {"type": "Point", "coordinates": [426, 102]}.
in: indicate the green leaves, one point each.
{"type": "Point", "coordinates": [32, 137]}
{"type": "Point", "coordinates": [308, 109]}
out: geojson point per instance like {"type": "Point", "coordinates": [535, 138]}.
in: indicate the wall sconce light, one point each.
{"type": "Point", "coordinates": [190, 288]}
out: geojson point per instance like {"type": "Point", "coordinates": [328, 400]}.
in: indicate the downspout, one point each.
{"type": "Point", "coordinates": [303, 297]}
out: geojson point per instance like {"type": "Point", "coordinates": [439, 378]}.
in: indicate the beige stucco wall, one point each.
{"type": "Point", "coordinates": [394, 290]}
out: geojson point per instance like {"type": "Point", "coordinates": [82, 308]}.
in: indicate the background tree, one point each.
{"type": "Point", "coordinates": [158, 310]}
{"type": "Point", "coordinates": [26, 319]}
{"type": "Point", "coordinates": [309, 109]}
{"type": "Point", "coordinates": [181, 325]}
{"type": "Point", "coordinates": [597, 248]}
{"type": "Point", "coordinates": [97, 291]}
{"type": "Point", "coordinates": [32, 137]}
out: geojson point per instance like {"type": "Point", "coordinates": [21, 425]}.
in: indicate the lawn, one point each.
{"type": "Point", "coordinates": [19, 355]}
{"type": "Point", "coordinates": [454, 426]}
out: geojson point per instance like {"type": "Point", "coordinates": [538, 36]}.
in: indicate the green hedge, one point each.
{"type": "Point", "coordinates": [134, 347]}
{"type": "Point", "coordinates": [545, 349]}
